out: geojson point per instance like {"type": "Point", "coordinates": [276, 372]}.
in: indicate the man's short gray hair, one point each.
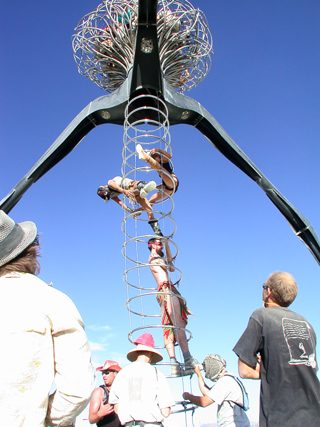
{"type": "Point", "coordinates": [283, 287]}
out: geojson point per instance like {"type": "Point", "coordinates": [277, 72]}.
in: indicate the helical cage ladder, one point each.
{"type": "Point", "coordinates": [141, 286]}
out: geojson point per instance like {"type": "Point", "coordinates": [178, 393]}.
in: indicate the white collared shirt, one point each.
{"type": "Point", "coordinates": [42, 341]}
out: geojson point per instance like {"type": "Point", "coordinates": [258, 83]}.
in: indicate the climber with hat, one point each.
{"type": "Point", "coordinates": [228, 392]}
{"type": "Point", "coordinates": [141, 393]}
{"type": "Point", "coordinates": [100, 410]}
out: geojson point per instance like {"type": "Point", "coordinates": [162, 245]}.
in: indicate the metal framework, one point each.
{"type": "Point", "coordinates": [104, 43]}
{"type": "Point", "coordinates": [146, 75]}
{"type": "Point", "coordinates": [150, 133]}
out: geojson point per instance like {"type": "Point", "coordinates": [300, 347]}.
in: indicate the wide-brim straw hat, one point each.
{"type": "Point", "coordinates": [14, 238]}
{"type": "Point", "coordinates": [133, 354]}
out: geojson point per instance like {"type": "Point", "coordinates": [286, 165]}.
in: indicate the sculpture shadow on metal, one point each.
{"type": "Point", "coordinates": [159, 47]}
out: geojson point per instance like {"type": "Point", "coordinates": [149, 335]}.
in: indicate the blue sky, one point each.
{"type": "Point", "coordinates": [263, 88]}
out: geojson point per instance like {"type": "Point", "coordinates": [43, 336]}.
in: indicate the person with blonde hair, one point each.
{"type": "Point", "coordinates": [279, 348]}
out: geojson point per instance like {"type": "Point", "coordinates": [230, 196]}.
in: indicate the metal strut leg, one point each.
{"type": "Point", "coordinates": [145, 75]}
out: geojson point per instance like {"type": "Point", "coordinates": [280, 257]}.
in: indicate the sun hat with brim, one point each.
{"type": "Point", "coordinates": [133, 354]}
{"type": "Point", "coordinates": [14, 238]}
{"type": "Point", "coordinates": [144, 343]}
{"type": "Point", "coordinates": [109, 365]}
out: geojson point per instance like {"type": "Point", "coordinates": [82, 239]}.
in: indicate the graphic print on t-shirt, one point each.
{"type": "Point", "coordinates": [299, 342]}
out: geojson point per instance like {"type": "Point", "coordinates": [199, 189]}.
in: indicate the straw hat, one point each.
{"type": "Point", "coordinates": [14, 238]}
{"type": "Point", "coordinates": [145, 343]}
{"type": "Point", "coordinates": [109, 365]}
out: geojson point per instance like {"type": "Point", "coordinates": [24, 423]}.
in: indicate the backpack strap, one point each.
{"type": "Point", "coordinates": [245, 396]}
{"type": "Point", "coordinates": [106, 394]}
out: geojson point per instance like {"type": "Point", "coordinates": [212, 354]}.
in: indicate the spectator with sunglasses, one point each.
{"type": "Point", "coordinates": [279, 348]}
{"type": "Point", "coordinates": [174, 310]}
{"type": "Point", "coordinates": [101, 411]}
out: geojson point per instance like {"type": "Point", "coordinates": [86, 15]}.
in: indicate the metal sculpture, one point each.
{"type": "Point", "coordinates": [149, 133]}
{"type": "Point", "coordinates": [105, 38]}
{"type": "Point", "coordinates": [158, 68]}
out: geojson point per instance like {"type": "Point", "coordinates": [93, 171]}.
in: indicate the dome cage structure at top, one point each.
{"type": "Point", "coordinates": [104, 43]}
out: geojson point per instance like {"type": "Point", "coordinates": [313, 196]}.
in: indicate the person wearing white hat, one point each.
{"type": "Point", "coordinates": [101, 411]}
{"type": "Point", "coordinates": [42, 336]}
{"type": "Point", "coordinates": [140, 392]}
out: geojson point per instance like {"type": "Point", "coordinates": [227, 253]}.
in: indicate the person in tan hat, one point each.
{"type": "Point", "coordinates": [101, 411]}
{"type": "Point", "coordinates": [42, 336]}
{"type": "Point", "coordinates": [141, 393]}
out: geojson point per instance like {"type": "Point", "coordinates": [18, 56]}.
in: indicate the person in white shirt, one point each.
{"type": "Point", "coordinates": [46, 374]}
{"type": "Point", "coordinates": [227, 393]}
{"type": "Point", "coordinates": [140, 392]}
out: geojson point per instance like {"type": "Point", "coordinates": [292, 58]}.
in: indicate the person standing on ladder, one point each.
{"type": "Point", "coordinates": [174, 311]}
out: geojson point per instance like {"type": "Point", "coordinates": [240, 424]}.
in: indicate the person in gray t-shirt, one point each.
{"type": "Point", "coordinates": [278, 347]}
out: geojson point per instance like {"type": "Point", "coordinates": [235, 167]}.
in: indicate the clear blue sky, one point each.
{"type": "Point", "coordinates": [263, 88]}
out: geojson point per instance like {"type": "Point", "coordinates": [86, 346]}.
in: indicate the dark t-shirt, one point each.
{"type": "Point", "coordinates": [290, 389]}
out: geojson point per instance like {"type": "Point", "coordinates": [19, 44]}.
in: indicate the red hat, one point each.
{"type": "Point", "coordinates": [144, 343]}
{"type": "Point", "coordinates": [109, 365]}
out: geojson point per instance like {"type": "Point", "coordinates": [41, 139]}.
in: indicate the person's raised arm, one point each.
{"type": "Point", "coordinates": [202, 385]}
{"type": "Point", "coordinates": [123, 205]}
{"type": "Point", "coordinates": [169, 256]}
{"type": "Point", "coordinates": [248, 371]}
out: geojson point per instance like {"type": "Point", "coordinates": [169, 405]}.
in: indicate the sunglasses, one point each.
{"type": "Point", "coordinates": [265, 286]}
{"type": "Point", "coordinates": [106, 372]}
